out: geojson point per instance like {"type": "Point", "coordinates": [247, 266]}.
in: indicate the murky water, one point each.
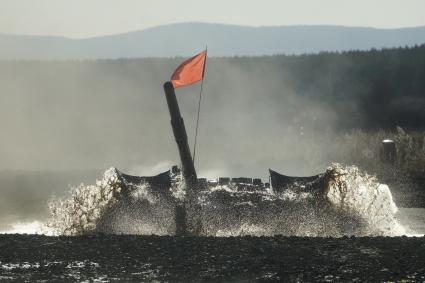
{"type": "Point", "coordinates": [106, 258]}
{"type": "Point", "coordinates": [245, 236]}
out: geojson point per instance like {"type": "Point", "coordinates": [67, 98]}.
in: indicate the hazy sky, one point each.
{"type": "Point", "coordinates": [87, 18]}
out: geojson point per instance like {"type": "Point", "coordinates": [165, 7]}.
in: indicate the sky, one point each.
{"type": "Point", "coordinates": [90, 18]}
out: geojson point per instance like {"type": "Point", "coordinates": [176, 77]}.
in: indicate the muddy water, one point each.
{"type": "Point", "coordinates": [105, 258]}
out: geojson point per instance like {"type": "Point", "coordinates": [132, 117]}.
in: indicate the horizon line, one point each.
{"type": "Point", "coordinates": [203, 23]}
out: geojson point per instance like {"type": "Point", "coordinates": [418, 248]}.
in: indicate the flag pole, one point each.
{"type": "Point", "coordinates": [199, 106]}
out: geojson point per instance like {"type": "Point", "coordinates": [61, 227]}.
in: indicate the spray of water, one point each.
{"type": "Point", "coordinates": [352, 203]}
{"type": "Point", "coordinates": [357, 193]}
{"type": "Point", "coordinates": [80, 213]}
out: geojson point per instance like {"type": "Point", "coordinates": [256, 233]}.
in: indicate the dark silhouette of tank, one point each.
{"type": "Point", "coordinates": [161, 185]}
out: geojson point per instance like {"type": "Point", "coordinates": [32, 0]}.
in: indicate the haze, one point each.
{"type": "Point", "coordinates": [82, 18]}
{"type": "Point", "coordinates": [66, 121]}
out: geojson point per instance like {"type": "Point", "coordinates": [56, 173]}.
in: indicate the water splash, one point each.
{"type": "Point", "coordinates": [81, 212]}
{"type": "Point", "coordinates": [352, 203]}
{"type": "Point", "coordinates": [358, 193]}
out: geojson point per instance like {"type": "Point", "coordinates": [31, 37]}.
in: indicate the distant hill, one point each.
{"type": "Point", "coordinates": [223, 40]}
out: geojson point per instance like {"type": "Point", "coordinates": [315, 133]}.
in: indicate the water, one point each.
{"type": "Point", "coordinates": [135, 258]}
{"type": "Point", "coordinates": [354, 204]}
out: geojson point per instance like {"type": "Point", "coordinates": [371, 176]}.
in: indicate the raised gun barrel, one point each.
{"type": "Point", "coordinates": [188, 168]}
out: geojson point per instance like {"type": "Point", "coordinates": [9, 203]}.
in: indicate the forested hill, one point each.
{"type": "Point", "coordinates": [110, 109]}
{"type": "Point", "coordinates": [373, 89]}
{"type": "Point", "coordinates": [185, 39]}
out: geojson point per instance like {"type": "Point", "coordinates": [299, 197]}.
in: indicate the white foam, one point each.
{"type": "Point", "coordinates": [244, 230]}
{"type": "Point", "coordinates": [80, 212]}
{"type": "Point", "coordinates": [358, 193]}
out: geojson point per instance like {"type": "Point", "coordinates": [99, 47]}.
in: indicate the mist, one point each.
{"type": "Point", "coordinates": [257, 113]}
{"type": "Point", "coordinates": [65, 122]}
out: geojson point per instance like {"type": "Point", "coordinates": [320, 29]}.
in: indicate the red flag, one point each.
{"type": "Point", "coordinates": [190, 71]}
